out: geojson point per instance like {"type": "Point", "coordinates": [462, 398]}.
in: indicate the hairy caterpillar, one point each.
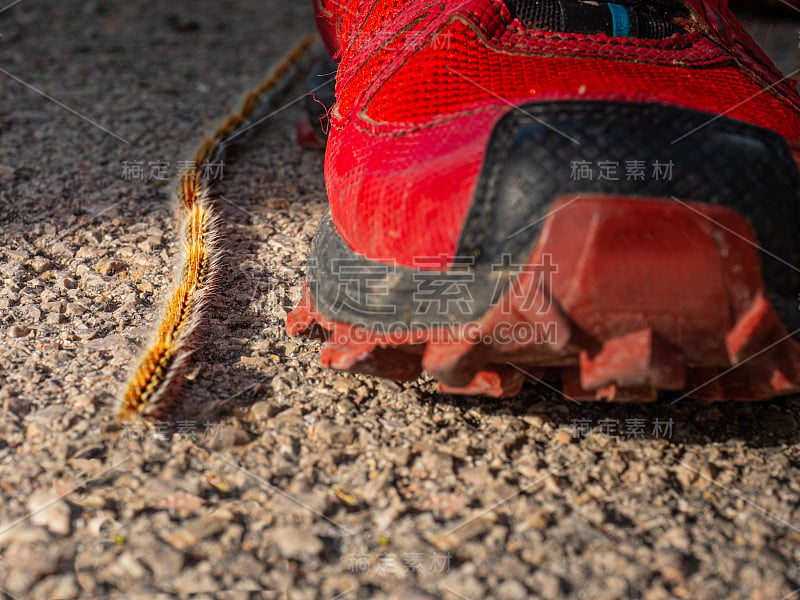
{"type": "Point", "coordinates": [156, 382]}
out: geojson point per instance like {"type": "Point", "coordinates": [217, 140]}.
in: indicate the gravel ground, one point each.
{"type": "Point", "coordinates": [278, 479]}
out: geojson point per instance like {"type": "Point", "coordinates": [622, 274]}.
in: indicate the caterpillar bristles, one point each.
{"type": "Point", "coordinates": [160, 374]}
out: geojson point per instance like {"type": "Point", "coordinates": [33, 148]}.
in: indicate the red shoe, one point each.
{"type": "Point", "coordinates": [514, 187]}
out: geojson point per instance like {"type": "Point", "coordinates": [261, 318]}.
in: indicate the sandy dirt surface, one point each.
{"type": "Point", "coordinates": [277, 479]}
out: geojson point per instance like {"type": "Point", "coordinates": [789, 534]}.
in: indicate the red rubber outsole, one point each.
{"type": "Point", "coordinates": [645, 295]}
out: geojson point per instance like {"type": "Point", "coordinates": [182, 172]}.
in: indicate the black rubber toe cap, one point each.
{"type": "Point", "coordinates": [541, 152]}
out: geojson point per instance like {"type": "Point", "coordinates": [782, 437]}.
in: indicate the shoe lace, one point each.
{"type": "Point", "coordinates": [649, 19]}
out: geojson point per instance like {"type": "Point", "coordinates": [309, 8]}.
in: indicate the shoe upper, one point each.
{"type": "Point", "coordinates": [422, 85]}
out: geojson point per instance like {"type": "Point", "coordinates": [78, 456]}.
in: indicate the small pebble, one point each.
{"type": "Point", "coordinates": [49, 510]}
{"type": "Point", "coordinates": [18, 331]}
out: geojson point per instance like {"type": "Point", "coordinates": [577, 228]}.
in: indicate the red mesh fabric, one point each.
{"type": "Point", "coordinates": [358, 20]}
{"type": "Point", "coordinates": [468, 72]}
{"type": "Point", "coordinates": [390, 37]}
{"type": "Point", "coordinates": [400, 194]}
{"type": "Point", "coordinates": [718, 22]}
{"type": "Point", "coordinates": [327, 26]}
{"type": "Point", "coordinates": [408, 135]}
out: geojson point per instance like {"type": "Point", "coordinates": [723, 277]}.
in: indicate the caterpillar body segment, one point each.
{"type": "Point", "coordinates": [160, 373]}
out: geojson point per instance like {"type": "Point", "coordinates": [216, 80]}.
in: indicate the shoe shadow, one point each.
{"type": "Point", "coordinates": [765, 424]}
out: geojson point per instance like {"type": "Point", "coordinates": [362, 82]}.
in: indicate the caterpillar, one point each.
{"type": "Point", "coordinates": [158, 378]}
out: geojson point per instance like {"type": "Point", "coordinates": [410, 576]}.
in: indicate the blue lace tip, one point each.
{"type": "Point", "coordinates": [620, 20]}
